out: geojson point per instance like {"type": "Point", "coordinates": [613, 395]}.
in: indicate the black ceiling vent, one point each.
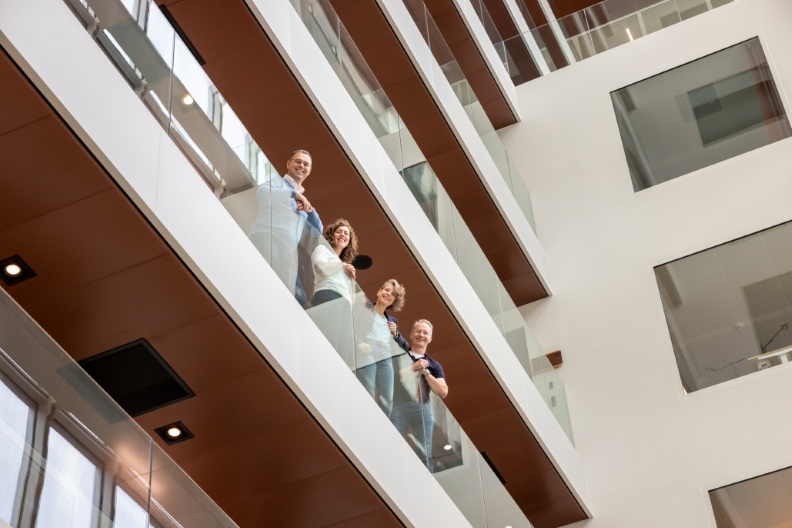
{"type": "Point", "coordinates": [137, 378]}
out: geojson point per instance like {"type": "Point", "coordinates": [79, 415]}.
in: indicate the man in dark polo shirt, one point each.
{"type": "Point", "coordinates": [417, 375]}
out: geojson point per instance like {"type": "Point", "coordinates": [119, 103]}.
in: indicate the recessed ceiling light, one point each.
{"type": "Point", "coordinates": [447, 447]}
{"type": "Point", "coordinates": [174, 433]}
{"type": "Point", "coordinates": [15, 270]}
{"type": "Point", "coordinates": [188, 99]}
{"type": "Point", "coordinates": [12, 270]}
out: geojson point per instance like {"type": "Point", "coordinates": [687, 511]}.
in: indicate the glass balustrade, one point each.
{"type": "Point", "coordinates": [407, 157]}
{"type": "Point", "coordinates": [70, 456]}
{"type": "Point", "coordinates": [456, 236]}
{"type": "Point", "coordinates": [145, 49]}
{"type": "Point", "coordinates": [606, 25]}
{"type": "Point", "coordinates": [467, 98]}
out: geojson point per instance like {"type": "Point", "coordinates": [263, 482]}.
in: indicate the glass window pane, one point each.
{"type": "Point", "coordinates": [758, 502]}
{"type": "Point", "coordinates": [128, 513]}
{"type": "Point", "coordinates": [699, 114]}
{"type": "Point", "coordinates": [14, 420]}
{"type": "Point", "coordinates": [729, 308]}
{"type": "Point", "coordinates": [67, 497]}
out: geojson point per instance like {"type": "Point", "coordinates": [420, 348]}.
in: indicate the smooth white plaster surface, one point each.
{"type": "Point", "coordinates": [651, 452]}
{"type": "Point", "coordinates": [90, 94]}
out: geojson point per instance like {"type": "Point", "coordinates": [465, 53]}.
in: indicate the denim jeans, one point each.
{"type": "Point", "coordinates": [417, 418]}
{"type": "Point", "coordinates": [377, 378]}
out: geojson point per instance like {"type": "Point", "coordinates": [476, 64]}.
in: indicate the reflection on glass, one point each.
{"type": "Point", "coordinates": [729, 308]}
{"type": "Point", "coordinates": [760, 502]}
{"type": "Point", "coordinates": [462, 245]}
{"type": "Point", "coordinates": [602, 27]}
{"type": "Point", "coordinates": [128, 513]}
{"type": "Point", "coordinates": [699, 114]}
{"type": "Point", "coordinates": [14, 418]}
{"type": "Point", "coordinates": [70, 486]}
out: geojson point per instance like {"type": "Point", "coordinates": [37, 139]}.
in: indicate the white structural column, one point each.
{"type": "Point", "coordinates": [67, 66]}
{"type": "Point", "coordinates": [306, 61]}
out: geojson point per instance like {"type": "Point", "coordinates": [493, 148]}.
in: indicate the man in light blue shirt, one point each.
{"type": "Point", "coordinates": [284, 215]}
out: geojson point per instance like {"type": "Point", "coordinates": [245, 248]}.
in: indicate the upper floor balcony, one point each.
{"type": "Point", "coordinates": [491, 393]}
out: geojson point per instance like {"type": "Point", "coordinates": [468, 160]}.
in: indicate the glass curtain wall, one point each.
{"type": "Point", "coordinates": [70, 456]}
{"type": "Point", "coordinates": [147, 52]}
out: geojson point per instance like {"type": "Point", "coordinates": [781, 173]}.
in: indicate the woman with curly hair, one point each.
{"type": "Point", "coordinates": [332, 266]}
{"type": "Point", "coordinates": [334, 276]}
{"type": "Point", "coordinates": [375, 351]}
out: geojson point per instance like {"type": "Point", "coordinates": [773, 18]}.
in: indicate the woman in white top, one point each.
{"type": "Point", "coordinates": [333, 271]}
{"type": "Point", "coordinates": [334, 278]}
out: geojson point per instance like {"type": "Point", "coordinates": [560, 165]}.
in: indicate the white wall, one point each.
{"type": "Point", "coordinates": [651, 452]}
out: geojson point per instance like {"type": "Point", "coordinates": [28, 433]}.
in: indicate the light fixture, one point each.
{"type": "Point", "coordinates": [187, 99]}
{"type": "Point", "coordinates": [629, 34]}
{"type": "Point", "coordinates": [12, 270]}
{"type": "Point", "coordinates": [15, 270]}
{"type": "Point", "coordinates": [174, 433]}
{"type": "Point", "coordinates": [447, 447]}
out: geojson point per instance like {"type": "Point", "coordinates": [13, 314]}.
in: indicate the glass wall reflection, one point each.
{"type": "Point", "coordinates": [699, 114]}
{"type": "Point", "coordinates": [760, 502]}
{"type": "Point", "coordinates": [729, 308]}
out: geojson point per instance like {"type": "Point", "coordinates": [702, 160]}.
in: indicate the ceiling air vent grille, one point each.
{"type": "Point", "coordinates": [137, 378]}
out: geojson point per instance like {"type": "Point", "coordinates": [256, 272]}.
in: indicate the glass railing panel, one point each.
{"type": "Point", "coordinates": [660, 16]}
{"type": "Point", "coordinates": [434, 201]}
{"type": "Point", "coordinates": [477, 269]}
{"type": "Point", "coordinates": [461, 477]}
{"type": "Point", "coordinates": [498, 506]}
{"type": "Point", "coordinates": [437, 438]}
{"type": "Point", "coordinates": [500, 156]}
{"type": "Point", "coordinates": [428, 191]}
{"type": "Point", "coordinates": [182, 505]}
{"type": "Point", "coordinates": [609, 24]}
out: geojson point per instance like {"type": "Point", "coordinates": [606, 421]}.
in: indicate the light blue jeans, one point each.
{"type": "Point", "coordinates": [377, 378]}
{"type": "Point", "coordinates": [416, 417]}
